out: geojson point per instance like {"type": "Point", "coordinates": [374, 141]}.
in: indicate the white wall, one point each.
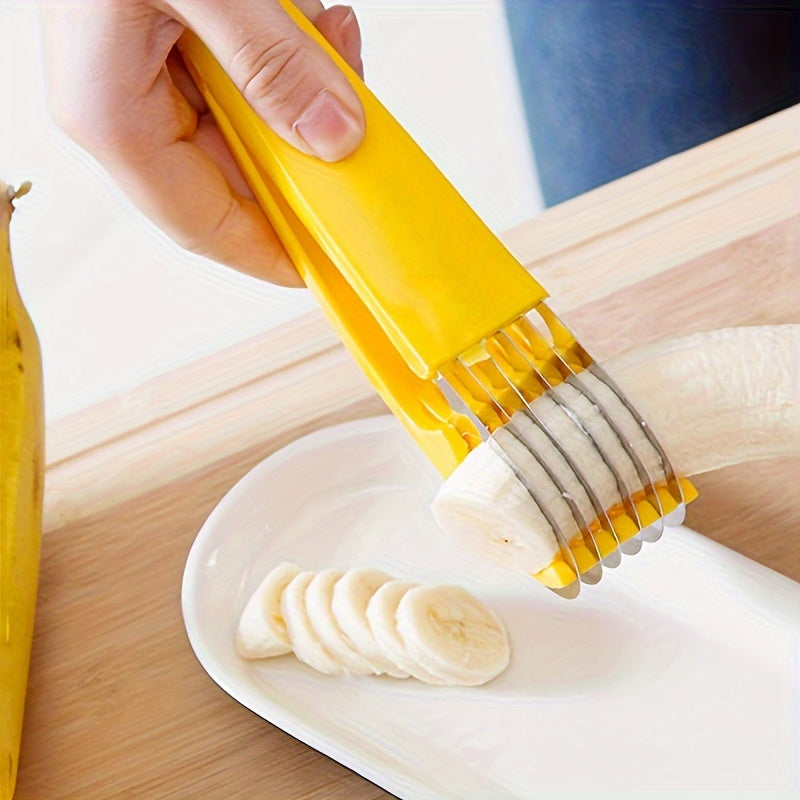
{"type": "Point", "coordinates": [115, 302]}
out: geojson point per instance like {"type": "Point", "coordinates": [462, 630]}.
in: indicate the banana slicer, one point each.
{"type": "Point", "coordinates": [450, 328]}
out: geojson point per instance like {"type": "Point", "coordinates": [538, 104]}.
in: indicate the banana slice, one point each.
{"type": "Point", "coordinates": [547, 494]}
{"type": "Point", "coordinates": [381, 617]}
{"type": "Point", "coordinates": [361, 622]}
{"type": "Point", "coordinates": [536, 440]}
{"type": "Point", "coordinates": [319, 597]}
{"type": "Point", "coordinates": [452, 635]}
{"type": "Point", "coordinates": [603, 436]}
{"type": "Point", "coordinates": [262, 631]}
{"type": "Point", "coordinates": [626, 424]}
{"type": "Point", "coordinates": [575, 440]}
{"type": "Point", "coordinates": [490, 510]}
{"type": "Point", "coordinates": [351, 594]}
{"type": "Point", "coordinates": [304, 640]}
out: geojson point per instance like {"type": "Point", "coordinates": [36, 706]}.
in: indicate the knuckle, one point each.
{"type": "Point", "coordinates": [271, 72]}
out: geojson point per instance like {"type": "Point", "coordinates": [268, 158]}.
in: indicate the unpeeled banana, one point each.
{"type": "Point", "coordinates": [21, 479]}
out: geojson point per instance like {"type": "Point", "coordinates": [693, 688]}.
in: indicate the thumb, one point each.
{"type": "Point", "coordinates": [291, 83]}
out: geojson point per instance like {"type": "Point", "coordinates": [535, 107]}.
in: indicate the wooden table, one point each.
{"type": "Point", "coordinates": [119, 708]}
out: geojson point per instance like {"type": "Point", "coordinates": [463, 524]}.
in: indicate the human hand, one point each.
{"type": "Point", "coordinates": [119, 88]}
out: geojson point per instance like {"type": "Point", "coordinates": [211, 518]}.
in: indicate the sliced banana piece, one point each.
{"type": "Point", "coordinates": [360, 621]}
{"type": "Point", "coordinates": [545, 493]}
{"type": "Point", "coordinates": [484, 501]}
{"type": "Point", "coordinates": [490, 510]}
{"type": "Point", "coordinates": [262, 631]}
{"type": "Point", "coordinates": [536, 440]}
{"type": "Point", "coordinates": [576, 440]}
{"type": "Point", "coordinates": [604, 438]}
{"type": "Point", "coordinates": [381, 617]}
{"type": "Point", "coordinates": [626, 424]}
{"type": "Point", "coordinates": [452, 635]}
{"type": "Point", "coordinates": [304, 640]}
{"type": "Point", "coordinates": [351, 594]}
{"type": "Point", "coordinates": [319, 598]}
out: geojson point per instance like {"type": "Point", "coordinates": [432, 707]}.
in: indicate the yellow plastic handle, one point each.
{"type": "Point", "coordinates": [443, 435]}
{"type": "Point", "coordinates": [429, 271]}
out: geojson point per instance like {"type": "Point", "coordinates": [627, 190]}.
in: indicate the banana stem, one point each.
{"type": "Point", "coordinates": [20, 191]}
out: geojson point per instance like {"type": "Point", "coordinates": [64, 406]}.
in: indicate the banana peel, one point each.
{"type": "Point", "coordinates": [21, 485]}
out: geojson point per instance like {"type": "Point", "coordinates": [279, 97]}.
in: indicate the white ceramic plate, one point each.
{"type": "Point", "coordinates": [677, 673]}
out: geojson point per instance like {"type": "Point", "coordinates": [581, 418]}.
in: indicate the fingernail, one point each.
{"type": "Point", "coordinates": [348, 18]}
{"type": "Point", "coordinates": [350, 38]}
{"type": "Point", "coordinates": [328, 128]}
{"type": "Point", "coordinates": [349, 32]}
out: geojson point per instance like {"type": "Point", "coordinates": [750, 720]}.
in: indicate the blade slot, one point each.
{"type": "Point", "coordinates": [561, 335]}
{"type": "Point", "coordinates": [460, 406]}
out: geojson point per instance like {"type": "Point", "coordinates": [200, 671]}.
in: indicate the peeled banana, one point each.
{"type": "Point", "coordinates": [488, 509]}
{"type": "Point", "coordinates": [517, 501]}
{"type": "Point", "coordinates": [21, 479]}
{"type": "Point", "coordinates": [362, 621]}
{"type": "Point", "coordinates": [712, 399]}
{"type": "Point", "coordinates": [719, 397]}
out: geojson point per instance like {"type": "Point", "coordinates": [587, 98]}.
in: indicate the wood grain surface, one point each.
{"type": "Point", "coordinates": [119, 708]}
